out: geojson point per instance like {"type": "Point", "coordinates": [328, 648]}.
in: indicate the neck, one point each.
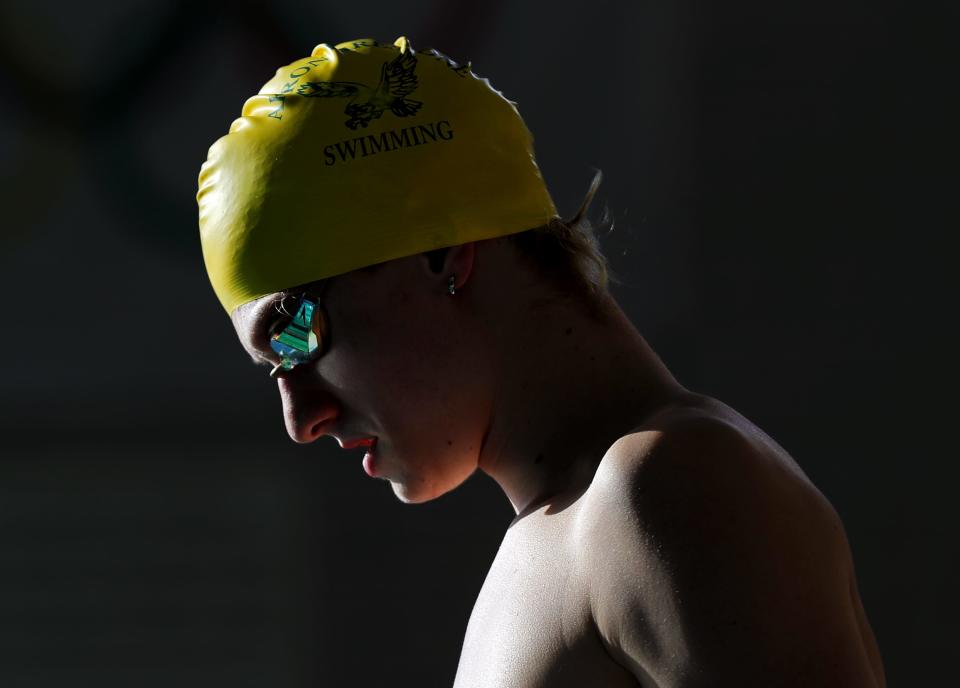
{"type": "Point", "coordinates": [567, 386]}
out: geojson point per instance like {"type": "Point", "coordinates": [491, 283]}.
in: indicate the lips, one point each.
{"type": "Point", "coordinates": [363, 442]}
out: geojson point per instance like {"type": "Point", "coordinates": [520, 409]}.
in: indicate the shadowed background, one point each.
{"type": "Point", "coordinates": [778, 175]}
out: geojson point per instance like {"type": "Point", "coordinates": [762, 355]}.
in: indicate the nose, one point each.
{"type": "Point", "coordinates": [308, 409]}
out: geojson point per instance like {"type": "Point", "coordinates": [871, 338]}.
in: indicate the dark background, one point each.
{"type": "Point", "coordinates": [779, 173]}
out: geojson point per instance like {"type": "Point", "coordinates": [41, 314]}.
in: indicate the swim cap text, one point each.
{"type": "Point", "coordinates": [372, 144]}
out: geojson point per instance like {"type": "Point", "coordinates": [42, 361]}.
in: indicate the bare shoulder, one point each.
{"type": "Point", "coordinates": [706, 548]}
{"type": "Point", "coordinates": [694, 460]}
{"type": "Point", "coordinates": [703, 446]}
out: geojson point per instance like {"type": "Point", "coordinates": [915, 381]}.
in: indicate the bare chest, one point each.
{"type": "Point", "coordinates": [531, 623]}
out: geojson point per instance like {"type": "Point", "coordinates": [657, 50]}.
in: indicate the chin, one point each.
{"type": "Point", "coordinates": [410, 490]}
{"type": "Point", "coordinates": [418, 494]}
{"type": "Point", "coordinates": [406, 498]}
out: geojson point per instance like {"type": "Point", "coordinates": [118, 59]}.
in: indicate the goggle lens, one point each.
{"type": "Point", "coordinates": [298, 342]}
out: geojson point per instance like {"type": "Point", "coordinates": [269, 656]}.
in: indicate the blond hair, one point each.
{"type": "Point", "coordinates": [569, 249]}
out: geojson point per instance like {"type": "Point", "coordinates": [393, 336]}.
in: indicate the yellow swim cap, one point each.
{"type": "Point", "coordinates": [359, 154]}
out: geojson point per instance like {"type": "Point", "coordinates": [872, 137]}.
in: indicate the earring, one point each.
{"type": "Point", "coordinates": [451, 285]}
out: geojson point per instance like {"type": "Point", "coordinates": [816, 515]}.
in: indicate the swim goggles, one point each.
{"type": "Point", "coordinates": [301, 339]}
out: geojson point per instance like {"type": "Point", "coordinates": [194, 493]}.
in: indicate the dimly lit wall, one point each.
{"type": "Point", "coordinates": [779, 176]}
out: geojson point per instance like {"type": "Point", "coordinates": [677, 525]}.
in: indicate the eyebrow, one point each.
{"type": "Point", "coordinates": [257, 356]}
{"type": "Point", "coordinates": [258, 324]}
{"type": "Point", "coordinates": [260, 361]}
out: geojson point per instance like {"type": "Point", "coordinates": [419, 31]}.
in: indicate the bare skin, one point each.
{"type": "Point", "coordinates": [661, 539]}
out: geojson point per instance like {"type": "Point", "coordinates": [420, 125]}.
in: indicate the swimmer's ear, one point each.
{"type": "Point", "coordinates": [441, 263]}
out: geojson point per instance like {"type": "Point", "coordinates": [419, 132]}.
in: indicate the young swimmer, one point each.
{"type": "Point", "coordinates": [378, 231]}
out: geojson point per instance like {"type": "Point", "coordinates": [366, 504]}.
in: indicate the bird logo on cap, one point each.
{"type": "Point", "coordinates": [397, 81]}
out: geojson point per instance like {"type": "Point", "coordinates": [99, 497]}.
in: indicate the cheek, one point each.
{"type": "Point", "coordinates": [395, 343]}
{"type": "Point", "coordinates": [408, 368]}
{"type": "Point", "coordinates": [380, 353]}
